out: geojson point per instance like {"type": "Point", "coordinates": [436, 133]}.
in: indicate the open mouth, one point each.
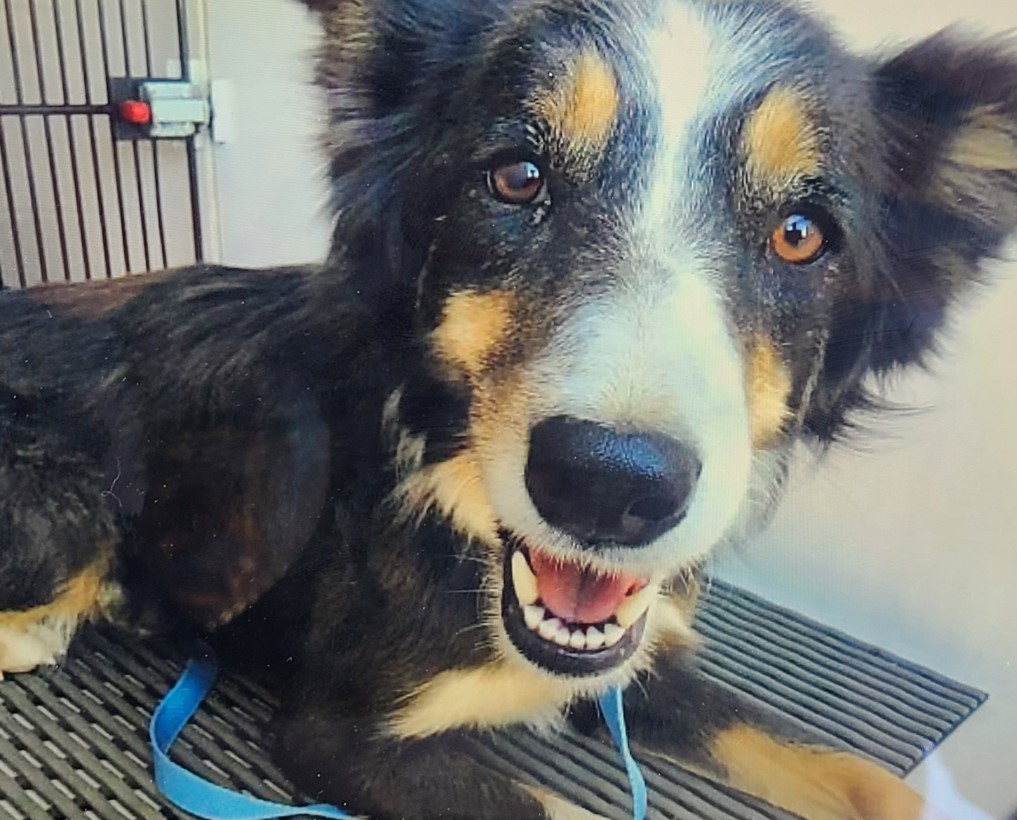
{"type": "Point", "coordinates": [570, 620]}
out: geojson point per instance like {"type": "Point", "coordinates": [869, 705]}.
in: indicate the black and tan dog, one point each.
{"type": "Point", "coordinates": [597, 266]}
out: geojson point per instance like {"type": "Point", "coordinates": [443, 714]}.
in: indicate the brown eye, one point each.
{"type": "Point", "coordinates": [519, 183]}
{"type": "Point", "coordinates": [798, 240]}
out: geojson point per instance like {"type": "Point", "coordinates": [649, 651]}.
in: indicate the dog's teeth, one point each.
{"type": "Point", "coordinates": [577, 640]}
{"type": "Point", "coordinates": [612, 634]}
{"type": "Point", "coordinates": [523, 579]}
{"type": "Point", "coordinates": [533, 615]}
{"type": "Point", "coordinates": [549, 628]}
{"type": "Point", "coordinates": [562, 636]}
{"type": "Point", "coordinates": [594, 638]}
{"type": "Point", "coordinates": [634, 606]}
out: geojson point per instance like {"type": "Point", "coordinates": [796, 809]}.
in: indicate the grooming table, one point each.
{"type": "Point", "coordinates": [74, 739]}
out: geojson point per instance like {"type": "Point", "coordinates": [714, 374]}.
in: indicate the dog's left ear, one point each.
{"type": "Point", "coordinates": [948, 109]}
{"type": "Point", "coordinates": [942, 199]}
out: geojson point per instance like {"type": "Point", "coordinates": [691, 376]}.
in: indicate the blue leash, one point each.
{"type": "Point", "coordinates": [613, 709]}
{"type": "Point", "coordinates": [194, 794]}
{"type": "Point", "coordinates": [186, 790]}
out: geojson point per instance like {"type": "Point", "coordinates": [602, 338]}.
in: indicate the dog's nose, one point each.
{"type": "Point", "coordinates": [601, 485]}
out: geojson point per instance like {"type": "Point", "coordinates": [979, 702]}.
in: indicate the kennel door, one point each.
{"type": "Point", "coordinates": [79, 199]}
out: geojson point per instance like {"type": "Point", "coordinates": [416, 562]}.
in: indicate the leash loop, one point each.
{"type": "Point", "coordinates": [194, 794]}
{"type": "Point", "coordinates": [191, 793]}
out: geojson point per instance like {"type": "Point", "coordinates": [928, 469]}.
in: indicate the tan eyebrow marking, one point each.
{"type": "Point", "coordinates": [780, 140]}
{"type": "Point", "coordinates": [582, 107]}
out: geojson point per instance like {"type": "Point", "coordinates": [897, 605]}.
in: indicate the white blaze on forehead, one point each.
{"type": "Point", "coordinates": [680, 63]}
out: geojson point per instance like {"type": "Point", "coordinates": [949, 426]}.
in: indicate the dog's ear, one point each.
{"type": "Point", "coordinates": [949, 113]}
{"type": "Point", "coordinates": [386, 67]}
{"type": "Point", "coordinates": [944, 200]}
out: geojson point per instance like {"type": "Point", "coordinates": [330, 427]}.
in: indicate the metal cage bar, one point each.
{"type": "Point", "coordinates": [82, 203]}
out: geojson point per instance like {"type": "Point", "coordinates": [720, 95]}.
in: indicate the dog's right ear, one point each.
{"type": "Point", "coordinates": [386, 67]}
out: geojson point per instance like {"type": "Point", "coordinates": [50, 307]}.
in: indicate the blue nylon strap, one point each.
{"type": "Point", "coordinates": [193, 794]}
{"type": "Point", "coordinates": [613, 708]}
{"type": "Point", "coordinates": [186, 790]}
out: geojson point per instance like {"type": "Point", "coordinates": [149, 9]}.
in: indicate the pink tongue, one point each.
{"type": "Point", "coordinates": [578, 596]}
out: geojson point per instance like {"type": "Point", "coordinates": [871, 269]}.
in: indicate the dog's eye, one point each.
{"type": "Point", "coordinates": [798, 239]}
{"type": "Point", "coordinates": [518, 183]}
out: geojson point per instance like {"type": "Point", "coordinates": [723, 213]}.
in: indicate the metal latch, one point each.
{"type": "Point", "coordinates": [160, 109]}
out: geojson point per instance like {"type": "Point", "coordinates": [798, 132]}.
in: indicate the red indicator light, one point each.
{"type": "Point", "coordinates": [136, 112]}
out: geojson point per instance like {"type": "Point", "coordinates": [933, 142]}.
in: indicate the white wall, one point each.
{"type": "Point", "coordinates": [270, 177]}
{"type": "Point", "coordinates": [910, 543]}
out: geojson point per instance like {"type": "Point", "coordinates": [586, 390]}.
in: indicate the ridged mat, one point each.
{"type": "Point", "coordinates": [73, 739]}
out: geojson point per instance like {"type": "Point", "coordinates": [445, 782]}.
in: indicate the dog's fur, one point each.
{"type": "Point", "coordinates": [335, 459]}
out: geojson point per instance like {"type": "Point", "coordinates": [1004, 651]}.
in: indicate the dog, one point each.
{"type": "Point", "coordinates": [597, 266]}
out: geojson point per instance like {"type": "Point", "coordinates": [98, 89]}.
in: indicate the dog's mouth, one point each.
{"type": "Point", "coordinates": [568, 619]}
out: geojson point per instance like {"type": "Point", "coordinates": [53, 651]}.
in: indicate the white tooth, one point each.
{"type": "Point", "coordinates": [548, 629]}
{"type": "Point", "coordinates": [523, 579]}
{"type": "Point", "coordinates": [533, 615]}
{"type": "Point", "coordinates": [634, 606]}
{"type": "Point", "coordinates": [562, 636]}
{"type": "Point", "coordinates": [612, 634]}
{"type": "Point", "coordinates": [578, 640]}
{"type": "Point", "coordinates": [594, 638]}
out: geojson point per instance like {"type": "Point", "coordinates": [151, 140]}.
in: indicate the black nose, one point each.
{"type": "Point", "coordinates": [601, 485]}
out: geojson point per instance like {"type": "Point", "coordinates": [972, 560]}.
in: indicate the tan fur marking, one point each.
{"type": "Point", "coordinates": [558, 808]}
{"type": "Point", "coordinates": [810, 781]}
{"type": "Point", "coordinates": [79, 598]}
{"type": "Point", "coordinates": [581, 110]}
{"type": "Point", "coordinates": [987, 142]}
{"type": "Point", "coordinates": [456, 488]}
{"type": "Point", "coordinates": [472, 326]}
{"type": "Point", "coordinates": [92, 300]}
{"type": "Point", "coordinates": [482, 697]}
{"type": "Point", "coordinates": [767, 384]}
{"type": "Point", "coordinates": [780, 142]}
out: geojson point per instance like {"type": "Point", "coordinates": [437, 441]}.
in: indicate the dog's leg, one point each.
{"type": "Point", "coordinates": [357, 765]}
{"type": "Point", "coordinates": [41, 635]}
{"type": "Point", "coordinates": [680, 715]}
{"type": "Point", "coordinates": [57, 533]}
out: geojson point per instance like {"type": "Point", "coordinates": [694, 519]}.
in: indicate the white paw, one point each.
{"type": "Point", "coordinates": [24, 648]}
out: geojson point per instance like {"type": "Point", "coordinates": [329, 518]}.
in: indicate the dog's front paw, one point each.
{"type": "Point", "coordinates": [24, 648]}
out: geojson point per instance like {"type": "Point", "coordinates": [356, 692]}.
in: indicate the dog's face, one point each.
{"type": "Point", "coordinates": [652, 245]}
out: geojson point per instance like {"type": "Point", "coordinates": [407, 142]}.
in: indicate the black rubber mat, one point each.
{"type": "Point", "coordinates": [74, 742]}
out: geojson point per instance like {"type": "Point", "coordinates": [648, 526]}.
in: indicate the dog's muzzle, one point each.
{"type": "Point", "coordinates": [606, 489]}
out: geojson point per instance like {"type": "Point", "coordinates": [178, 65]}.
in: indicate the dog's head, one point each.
{"type": "Point", "coordinates": [648, 245]}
